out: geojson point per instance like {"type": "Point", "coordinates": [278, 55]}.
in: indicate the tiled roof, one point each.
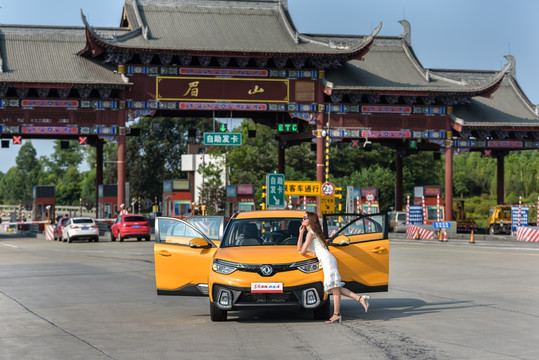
{"type": "Point", "coordinates": [391, 65]}
{"type": "Point", "coordinates": [40, 54]}
{"type": "Point", "coordinates": [507, 107]}
{"type": "Point", "coordinates": [240, 27]}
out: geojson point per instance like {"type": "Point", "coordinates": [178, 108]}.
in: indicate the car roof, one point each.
{"type": "Point", "coordinates": [270, 214]}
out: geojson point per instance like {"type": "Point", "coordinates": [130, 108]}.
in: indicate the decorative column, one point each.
{"type": "Point", "coordinates": [98, 172]}
{"type": "Point", "coordinates": [319, 147]}
{"type": "Point", "coordinates": [121, 158]}
{"type": "Point", "coordinates": [448, 181]}
{"type": "Point", "coordinates": [398, 182]}
{"type": "Point", "coordinates": [500, 179]}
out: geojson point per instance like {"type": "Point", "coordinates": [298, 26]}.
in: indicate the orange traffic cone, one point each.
{"type": "Point", "coordinates": [445, 235]}
{"type": "Point", "coordinates": [472, 240]}
{"type": "Point", "coordinates": [416, 237]}
{"type": "Point", "coordinates": [441, 237]}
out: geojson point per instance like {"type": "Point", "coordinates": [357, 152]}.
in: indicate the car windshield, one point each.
{"type": "Point", "coordinates": [83, 221]}
{"type": "Point", "coordinates": [266, 231]}
{"type": "Point", "coordinates": [134, 219]}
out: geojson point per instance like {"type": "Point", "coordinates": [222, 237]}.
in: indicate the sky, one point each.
{"type": "Point", "coordinates": [448, 34]}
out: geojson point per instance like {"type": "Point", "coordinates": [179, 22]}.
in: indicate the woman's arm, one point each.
{"type": "Point", "coordinates": [305, 248]}
{"type": "Point", "coordinates": [300, 238]}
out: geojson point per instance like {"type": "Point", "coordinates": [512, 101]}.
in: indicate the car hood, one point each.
{"type": "Point", "coordinates": [261, 254]}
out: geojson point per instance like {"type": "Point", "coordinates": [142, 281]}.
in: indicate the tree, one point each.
{"type": "Point", "coordinates": [212, 192]}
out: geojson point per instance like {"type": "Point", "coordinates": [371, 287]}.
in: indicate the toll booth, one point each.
{"type": "Point", "coordinates": [44, 203]}
{"type": "Point", "coordinates": [434, 203]}
{"type": "Point", "coordinates": [239, 198]}
{"type": "Point", "coordinates": [367, 200]}
{"type": "Point", "coordinates": [177, 198]}
{"type": "Point", "coordinates": [107, 206]}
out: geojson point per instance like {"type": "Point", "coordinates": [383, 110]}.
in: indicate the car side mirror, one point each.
{"type": "Point", "coordinates": [199, 243]}
{"type": "Point", "coordinates": [341, 240]}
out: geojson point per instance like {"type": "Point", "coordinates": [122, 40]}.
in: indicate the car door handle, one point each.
{"type": "Point", "coordinates": [164, 253]}
{"type": "Point", "coordinates": [378, 250]}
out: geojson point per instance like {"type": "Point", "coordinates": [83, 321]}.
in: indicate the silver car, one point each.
{"type": "Point", "coordinates": [80, 228]}
{"type": "Point", "coordinates": [397, 221]}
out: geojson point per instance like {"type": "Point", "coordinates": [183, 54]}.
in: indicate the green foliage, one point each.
{"type": "Point", "coordinates": [155, 156]}
{"type": "Point", "coordinates": [212, 191]}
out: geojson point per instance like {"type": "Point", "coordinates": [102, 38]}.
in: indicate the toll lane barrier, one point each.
{"type": "Point", "coordinates": [418, 232]}
{"type": "Point", "coordinates": [528, 233]}
{"type": "Point", "coordinates": [49, 232]}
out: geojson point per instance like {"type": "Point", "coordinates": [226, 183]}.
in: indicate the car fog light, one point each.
{"type": "Point", "coordinates": [310, 298]}
{"type": "Point", "coordinates": [224, 299]}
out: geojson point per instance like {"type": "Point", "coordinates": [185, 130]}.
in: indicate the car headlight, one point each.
{"type": "Point", "coordinates": [309, 266]}
{"type": "Point", "coordinates": [225, 267]}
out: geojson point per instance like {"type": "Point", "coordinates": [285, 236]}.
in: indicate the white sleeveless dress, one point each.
{"type": "Point", "coordinates": [332, 278]}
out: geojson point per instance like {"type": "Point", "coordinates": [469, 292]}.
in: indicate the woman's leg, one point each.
{"type": "Point", "coordinates": [353, 295]}
{"type": "Point", "coordinates": [336, 302]}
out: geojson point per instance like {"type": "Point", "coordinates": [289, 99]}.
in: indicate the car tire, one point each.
{"type": "Point", "coordinates": [138, 239]}
{"type": "Point", "coordinates": [147, 238]}
{"type": "Point", "coordinates": [119, 237]}
{"type": "Point", "coordinates": [322, 312]}
{"type": "Point", "coordinates": [217, 314]}
{"type": "Point", "coordinates": [112, 238]}
{"type": "Point", "coordinates": [96, 239]}
{"type": "Point", "coordinates": [69, 239]}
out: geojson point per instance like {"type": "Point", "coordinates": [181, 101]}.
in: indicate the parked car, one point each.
{"type": "Point", "coordinates": [80, 228]}
{"type": "Point", "coordinates": [256, 263]}
{"type": "Point", "coordinates": [57, 233]}
{"type": "Point", "coordinates": [130, 226]}
{"type": "Point", "coordinates": [397, 221]}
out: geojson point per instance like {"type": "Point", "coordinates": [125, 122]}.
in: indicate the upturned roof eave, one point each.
{"type": "Point", "coordinates": [98, 44]}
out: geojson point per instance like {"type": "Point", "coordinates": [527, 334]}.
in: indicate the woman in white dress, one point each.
{"type": "Point", "coordinates": [314, 243]}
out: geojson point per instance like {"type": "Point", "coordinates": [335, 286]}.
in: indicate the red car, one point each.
{"type": "Point", "coordinates": [130, 226]}
{"type": "Point", "coordinates": [57, 233]}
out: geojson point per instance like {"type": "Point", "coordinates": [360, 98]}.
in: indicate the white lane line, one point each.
{"type": "Point", "coordinates": [11, 246]}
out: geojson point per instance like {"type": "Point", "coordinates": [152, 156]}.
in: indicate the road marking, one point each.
{"type": "Point", "coordinates": [9, 245]}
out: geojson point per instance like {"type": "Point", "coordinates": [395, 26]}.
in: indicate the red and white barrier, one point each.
{"type": "Point", "coordinates": [528, 233]}
{"type": "Point", "coordinates": [412, 232]}
{"type": "Point", "coordinates": [49, 232]}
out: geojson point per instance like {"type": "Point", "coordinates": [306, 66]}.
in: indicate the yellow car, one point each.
{"type": "Point", "coordinates": [254, 261]}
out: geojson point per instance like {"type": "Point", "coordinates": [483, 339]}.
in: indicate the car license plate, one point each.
{"type": "Point", "coordinates": [136, 226]}
{"type": "Point", "coordinates": [85, 228]}
{"type": "Point", "coordinates": [266, 287]}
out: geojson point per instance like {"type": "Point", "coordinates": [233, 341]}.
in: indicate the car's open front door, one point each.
{"type": "Point", "coordinates": [361, 245]}
{"type": "Point", "coordinates": [183, 258]}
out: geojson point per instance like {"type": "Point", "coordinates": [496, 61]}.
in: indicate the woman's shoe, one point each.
{"type": "Point", "coordinates": [366, 298]}
{"type": "Point", "coordinates": [339, 319]}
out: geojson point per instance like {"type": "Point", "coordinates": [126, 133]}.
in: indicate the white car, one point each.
{"type": "Point", "coordinates": [80, 228]}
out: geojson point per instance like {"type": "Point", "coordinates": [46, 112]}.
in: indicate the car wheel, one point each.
{"type": "Point", "coordinates": [119, 237]}
{"type": "Point", "coordinates": [322, 312]}
{"type": "Point", "coordinates": [138, 239]}
{"type": "Point", "coordinates": [147, 238]}
{"type": "Point", "coordinates": [112, 238]}
{"type": "Point", "coordinates": [69, 239]}
{"type": "Point", "coordinates": [96, 239]}
{"type": "Point", "coordinates": [217, 314]}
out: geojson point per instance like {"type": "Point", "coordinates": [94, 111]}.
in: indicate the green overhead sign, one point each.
{"type": "Point", "coordinates": [223, 139]}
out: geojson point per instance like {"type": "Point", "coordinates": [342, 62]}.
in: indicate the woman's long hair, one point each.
{"type": "Point", "coordinates": [316, 227]}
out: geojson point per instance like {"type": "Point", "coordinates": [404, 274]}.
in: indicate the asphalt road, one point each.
{"type": "Point", "coordinates": [447, 300]}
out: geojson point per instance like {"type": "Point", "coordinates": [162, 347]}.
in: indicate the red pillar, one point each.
{"type": "Point", "coordinates": [448, 182]}
{"type": "Point", "coordinates": [121, 159]}
{"type": "Point", "coordinates": [398, 182]}
{"type": "Point", "coordinates": [500, 180]}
